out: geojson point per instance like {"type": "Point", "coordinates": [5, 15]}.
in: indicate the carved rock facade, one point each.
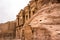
{"type": "Point", "coordinates": [41, 20]}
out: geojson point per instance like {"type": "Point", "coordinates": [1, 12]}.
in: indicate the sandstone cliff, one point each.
{"type": "Point", "coordinates": [45, 24]}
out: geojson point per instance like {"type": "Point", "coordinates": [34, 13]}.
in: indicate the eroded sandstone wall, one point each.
{"type": "Point", "coordinates": [45, 24]}
{"type": "Point", "coordinates": [7, 30]}
{"type": "Point", "coordinates": [30, 10]}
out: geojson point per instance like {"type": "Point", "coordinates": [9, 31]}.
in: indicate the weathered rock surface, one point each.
{"type": "Point", "coordinates": [45, 24]}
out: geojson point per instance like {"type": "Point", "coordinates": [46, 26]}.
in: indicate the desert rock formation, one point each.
{"type": "Point", "coordinates": [39, 20]}
{"type": "Point", "coordinates": [44, 25]}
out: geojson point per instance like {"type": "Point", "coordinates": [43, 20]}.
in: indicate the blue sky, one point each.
{"type": "Point", "coordinates": [10, 8]}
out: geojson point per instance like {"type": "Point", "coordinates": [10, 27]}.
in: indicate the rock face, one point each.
{"type": "Point", "coordinates": [7, 30]}
{"type": "Point", "coordinates": [39, 20]}
{"type": "Point", "coordinates": [44, 24]}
